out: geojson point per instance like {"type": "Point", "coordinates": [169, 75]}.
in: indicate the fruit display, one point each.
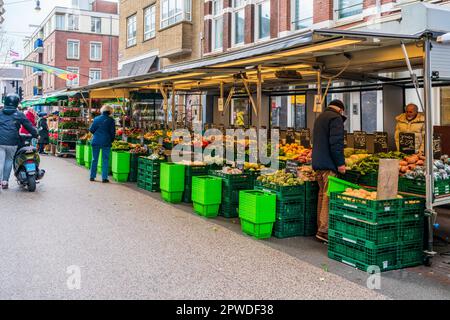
{"type": "Point", "coordinates": [371, 163]}
{"type": "Point", "coordinates": [409, 163]}
{"type": "Point", "coordinates": [253, 166]}
{"type": "Point", "coordinates": [295, 152]}
{"type": "Point", "coordinates": [120, 146]}
{"type": "Point", "coordinates": [280, 178]}
{"type": "Point", "coordinates": [213, 160]}
{"type": "Point", "coordinates": [306, 173]}
{"type": "Point", "coordinates": [230, 170]}
{"type": "Point", "coordinates": [86, 137]}
{"type": "Point", "coordinates": [414, 168]}
{"type": "Point", "coordinates": [354, 159]}
{"type": "Point", "coordinates": [363, 194]}
{"type": "Point", "coordinates": [137, 149]}
{"type": "Point", "coordinates": [351, 151]}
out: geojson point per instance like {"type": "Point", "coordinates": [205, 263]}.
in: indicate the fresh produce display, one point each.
{"type": "Point", "coordinates": [213, 160]}
{"type": "Point", "coordinates": [295, 152]}
{"type": "Point", "coordinates": [414, 168]}
{"type": "Point", "coordinates": [70, 125]}
{"type": "Point", "coordinates": [230, 170]}
{"type": "Point", "coordinates": [363, 194]}
{"type": "Point", "coordinates": [353, 159]}
{"type": "Point", "coordinates": [371, 163]}
{"type": "Point", "coordinates": [280, 178]}
{"type": "Point", "coordinates": [120, 146]}
{"type": "Point", "coordinates": [350, 151]}
{"type": "Point", "coordinates": [137, 149]}
{"type": "Point", "coordinates": [306, 173]}
{"type": "Point", "coordinates": [253, 166]}
{"type": "Point", "coordinates": [86, 137]}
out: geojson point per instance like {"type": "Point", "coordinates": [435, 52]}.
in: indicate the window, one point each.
{"type": "Point", "coordinates": [302, 14]}
{"type": "Point", "coordinates": [150, 22]}
{"type": "Point", "coordinates": [95, 75]}
{"type": "Point", "coordinates": [73, 22]}
{"type": "Point", "coordinates": [348, 8]}
{"type": "Point", "coordinates": [96, 51]}
{"type": "Point", "coordinates": [60, 22]}
{"type": "Point", "coordinates": [76, 81]}
{"type": "Point", "coordinates": [238, 22]}
{"type": "Point", "coordinates": [240, 112]}
{"type": "Point", "coordinates": [173, 11]}
{"type": "Point", "coordinates": [131, 31]}
{"type": "Point", "coordinates": [96, 24]}
{"type": "Point", "coordinates": [263, 20]}
{"type": "Point", "coordinates": [73, 49]}
{"type": "Point", "coordinates": [217, 25]}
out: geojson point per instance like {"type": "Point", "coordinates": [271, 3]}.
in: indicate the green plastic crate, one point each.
{"type": "Point", "coordinates": [257, 206]}
{"type": "Point", "coordinates": [281, 191]}
{"type": "Point", "coordinates": [412, 230]}
{"type": "Point", "coordinates": [234, 180]}
{"type": "Point", "coordinates": [120, 177]}
{"type": "Point", "coordinates": [288, 210]}
{"type": "Point", "coordinates": [339, 185]}
{"type": "Point", "coordinates": [288, 229]}
{"type": "Point", "coordinates": [193, 171]}
{"type": "Point", "coordinates": [411, 254]}
{"type": "Point", "coordinates": [172, 177]}
{"type": "Point", "coordinates": [377, 233]}
{"type": "Point", "coordinates": [258, 231]}
{"type": "Point", "coordinates": [418, 186]}
{"type": "Point", "coordinates": [88, 156]}
{"type": "Point", "coordinates": [207, 211]}
{"type": "Point", "coordinates": [374, 210]}
{"type": "Point", "coordinates": [229, 210]}
{"type": "Point", "coordinates": [79, 153]}
{"type": "Point", "coordinates": [357, 264]}
{"type": "Point", "coordinates": [171, 197]}
{"type": "Point", "coordinates": [206, 190]}
{"type": "Point", "coordinates": [383, 256]}
{"type": "Point", "coordinates": [120, 162]}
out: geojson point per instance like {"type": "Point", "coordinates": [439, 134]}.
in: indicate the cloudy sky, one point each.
{"type": "Point", "coordinates": [19, 15]}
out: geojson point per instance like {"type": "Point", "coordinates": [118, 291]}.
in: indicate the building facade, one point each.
{"type": "Point", "coordinates": [155, 34]}
{"type": "Point", "coordinates": [11, 81]}
{"type": "Point", "coordinates": [81, 39]}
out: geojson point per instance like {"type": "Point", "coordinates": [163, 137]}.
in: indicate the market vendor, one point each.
{"type": "Point", "coordinates": [412, 121]}
{"type": "Point", "coordinates": [328, 157]}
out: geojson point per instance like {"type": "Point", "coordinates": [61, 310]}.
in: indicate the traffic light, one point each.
{"type": "Point", "coordinates": [2, 11]}
{"type": "Point", "coordinates": [20, 93]}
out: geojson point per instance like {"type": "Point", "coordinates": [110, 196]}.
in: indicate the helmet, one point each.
{"type": "Point", "coordinates": [12, 101]}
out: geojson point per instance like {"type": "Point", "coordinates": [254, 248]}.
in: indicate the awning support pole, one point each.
{"type": "Point", "coordinates": [252, 101]}
{"type": "Point", "coordinates": [173, 108]}
{"type": "Point", "coordinates": [89, 111]}
{"type": "Point", "coordinates": [259, 96]}
{"type": "Point", "coordinates": [221, 97]}
{"type": "Point", "coordinates": [163, 91]}
{"type": "Point", "coordinates": [429, 212]}
{"type": "Point", "coordinates": [230, 96]}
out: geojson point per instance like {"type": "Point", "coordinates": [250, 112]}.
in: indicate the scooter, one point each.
{"type": "Point", "coordinates": [26, 164]}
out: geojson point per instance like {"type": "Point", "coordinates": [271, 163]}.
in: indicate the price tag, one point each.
{"type": "Point", "coordinates": [407, 142]}
{"type": "Point", "coordinates": [305, 138]}
{"type": "Point", "coordinates": [381, 142]}
{"type": "Point", "coordinates": [437, 146]}
{"type": "Point", "coordinates": [360, 140]}
{"type": "Point", "coordinates": [240, 166]}
{"type": "Point", "coordinates": [290, 135]}
{"type": "Point", "coordinates": [220, 104]}
{"type": "Point", "coordinates": [292, 167]}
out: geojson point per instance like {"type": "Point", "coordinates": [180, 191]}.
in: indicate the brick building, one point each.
{"type": "Point", "coordinates": [155, 34]}
{"type": "Point", "coordinates": [82, 39]}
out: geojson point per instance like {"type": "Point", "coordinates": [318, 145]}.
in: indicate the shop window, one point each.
{"type": "Point", "coordinates": [348, 8]}
{"type": "Point", "coordinates": [240, 112]}
{"type": "Point", "coordinates": [302, 15]}
{"type": "Point", "coordinates": [298, 104]}
{"type": "Point", "coordinates": [369, 111]}
{"type": "Point", "coordinates": [279, 115]}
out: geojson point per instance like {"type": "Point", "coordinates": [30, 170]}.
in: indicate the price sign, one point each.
{"type": "Point", "coordinates": [407, 142]}
{"type": "Point", "coordinates": [305, 138]}
{"type": "Point", "coordinates": [290, 135]}
{"type": "Point", "coordinates": [381, 142]}
{"type": "Point", "coordinates": [240, 166]}
{"type": "Point", "coordinates": [360, 140]}
{"type": "Point", "coordinates": [292, 167]}
{"type": "Point", "coordinates": [437, 146]}
{"type": "Point", "coordinates": [220, 105]}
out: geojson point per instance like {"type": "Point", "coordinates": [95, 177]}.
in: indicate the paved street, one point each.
{"type": "Point", "coordinates": [130, 245]}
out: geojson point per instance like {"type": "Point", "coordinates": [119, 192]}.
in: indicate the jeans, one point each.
{"type": "Point", "coordinates": [105, 161]}
{"type": "Point", "coordinates": [322, 206]}
{"type": "Point", "coordinates": [7, 154]}
{"type": "Point", "coordinates": [41, 147]}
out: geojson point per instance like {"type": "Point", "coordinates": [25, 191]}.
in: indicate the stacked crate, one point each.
{"type": "Point", "coordinates": [257, 211]}
{"type": "Point", "coordinates": [172, 182]}
{"type": "Point", "coordinates": [120, 165]}
{"type": "Point", "coordinates": [88, 155]}
{"type": "Point", "coordinates": [148, 176]}
{"type": "Point", "coordinates": [207, 195]}
{"type": "Point", "coordinates": [190, 172]}
{"type": "Point", "coordinates": [385, 233]}
{"type": "Point", "coordinates": [296, 209]}
{"type": "Point", "coordinates": [232, 184]}
{"type": "Point", "coordinates": [79, 153]}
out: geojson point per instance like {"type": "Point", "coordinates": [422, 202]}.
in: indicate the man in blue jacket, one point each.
{"type": "Point", "coordinates": [10, 122]}
{"type": "Point", "coordinates": [328, 157]}
{"type": "Point", "coordinates": [104, 130]}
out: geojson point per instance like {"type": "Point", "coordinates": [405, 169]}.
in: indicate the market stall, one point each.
{"type": "Point", "coordinates": [302, 64]}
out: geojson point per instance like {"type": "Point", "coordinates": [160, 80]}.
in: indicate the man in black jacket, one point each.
{"type": "Point", "coordinates": [328, 157]}
{"type": "Point", "coordinates": [10, 122]}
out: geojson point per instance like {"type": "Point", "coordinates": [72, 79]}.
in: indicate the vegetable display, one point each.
{"type": "Point", "coordinates": [120, 146]}
{"type": "Point", "coordinates": [295, 152]}
{"type": "Point", "coordinates": [371, 163]}
{"type": "Point", "coordinates": [417, 170]}
{"type": "Point", "coordinates": [280, 178]}
{"type": "Point", "coordinates": [363, 194]}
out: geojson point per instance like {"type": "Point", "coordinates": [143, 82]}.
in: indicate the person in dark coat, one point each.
{"type": "Point", "coordinates": [328, 157]}
{"type": "Point", "coordinates": [11, 121]}
{"type": "Point", "coordinates": [104, 130]}
{"type": "Point", "coordinates": [44, 137]}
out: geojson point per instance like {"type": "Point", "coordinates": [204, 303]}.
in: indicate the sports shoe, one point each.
{"type": "Point", "coordinates": [322, 236]}
{"type": "Point", "coordinates": [5, 185]}
{"type": "Point", "coordinates": [92, 179]}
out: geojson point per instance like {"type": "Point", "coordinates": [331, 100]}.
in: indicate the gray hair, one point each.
{"type": "Point", "coordinates": [107, 108]}
{"type": "Point", "coordinates": [416, 108]}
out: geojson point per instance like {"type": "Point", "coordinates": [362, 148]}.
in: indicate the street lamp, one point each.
{"type": "Point", "coordinates": [38, 5]}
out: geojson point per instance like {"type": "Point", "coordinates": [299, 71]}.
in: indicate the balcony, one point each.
{"type": "Point", "coordinates": [176, 40]}
{"type": "Point", "coordinates": [39, 46]}
{"type": "Point", "coordinates": [37, 91]}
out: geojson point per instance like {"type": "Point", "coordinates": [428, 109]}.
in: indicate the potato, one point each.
{"type": "Point", "coordinates": [404, 169]}
{"type": "Point", "coordinates": [403, 163]}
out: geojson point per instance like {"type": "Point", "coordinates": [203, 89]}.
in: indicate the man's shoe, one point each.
{"type": "Point", "coordinates": [106, 181]}
{"type": "Point", "coordinates": [5, 185]}
{"type": "Point", "coordinates": [322, 236]}
{"type": "Point", "coordinates": [92, 179]}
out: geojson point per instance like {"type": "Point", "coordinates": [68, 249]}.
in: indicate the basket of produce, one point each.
{"type": "Point", "coordinates": [282, 183]}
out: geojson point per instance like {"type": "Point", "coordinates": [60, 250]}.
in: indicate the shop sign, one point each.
{"type": "Point", "coordinates": [360, 140]}
{"type": "Point", "coordinates": [381, 142]}
{"type": "Point", "coordinates": [292, 167]}
{"type": "Point", "coordinates": [407, 142]}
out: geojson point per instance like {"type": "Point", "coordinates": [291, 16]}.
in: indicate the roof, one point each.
{"type": "Point", "coordinates": [139, 67]}
{"type": "Point", "coordinates": [11, 73]}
